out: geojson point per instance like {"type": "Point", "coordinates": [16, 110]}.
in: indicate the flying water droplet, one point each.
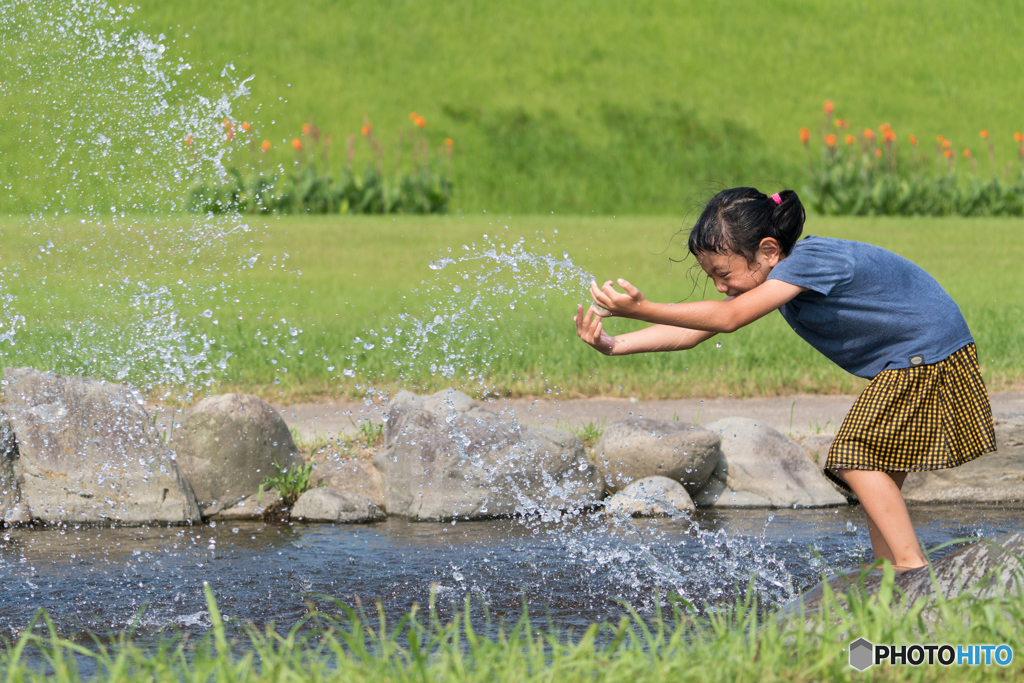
{"type": "Point", "coordinates": [441, 263]}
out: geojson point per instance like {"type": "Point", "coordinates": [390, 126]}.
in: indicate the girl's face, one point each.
{"type": "Point", "coordinates": [733, 274]}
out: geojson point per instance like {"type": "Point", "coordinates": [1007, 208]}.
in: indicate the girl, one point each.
{"type": "Point", "coordinates": [873, 313]}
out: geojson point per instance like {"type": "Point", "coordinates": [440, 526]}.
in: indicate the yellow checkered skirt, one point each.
{"type": "Point", "coordinates": [927, 417]}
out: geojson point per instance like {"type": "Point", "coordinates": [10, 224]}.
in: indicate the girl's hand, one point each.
{"type": "Point", "coordinates": [588, 328]}
{"type": "Point", "coordinates": [616, 303]}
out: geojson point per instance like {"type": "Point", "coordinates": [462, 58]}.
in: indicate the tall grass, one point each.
{"type": "Point", "coordinates": [734, 643]}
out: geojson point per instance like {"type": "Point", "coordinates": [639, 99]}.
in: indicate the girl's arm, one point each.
{"type": "Point", "coordinates": [711, 316]}
{"type": "Point", "coordinates": [653, 338]}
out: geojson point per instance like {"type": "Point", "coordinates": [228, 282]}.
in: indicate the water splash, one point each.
{"type": "Point", "coordinates": [120, 127]}
{"type": "Point", "coordinates": [469, 315]}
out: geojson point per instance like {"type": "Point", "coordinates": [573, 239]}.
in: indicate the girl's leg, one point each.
{"type": "Point", "coordinates": [892, 534]}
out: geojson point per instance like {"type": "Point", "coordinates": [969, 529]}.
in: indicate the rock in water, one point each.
{"type": "Point", "coordinates": [639, 447]}
{"type": "Point", "coordinates": [227, 445]}
{"type": "Point", "coordinates": [651, 497]}
{"type": "Point", "coordinates": [760, 467]}
{"type": "Point", "coordinates": [325, 504]}
{"type": "Point", "coordinates": [351, 475]}
{"type": "Point", "coordinates": [988, 568]}
{"type": "Point", "coordinates": [88, 452]}
{"type": "Point", "coordinates": [12, 510]}
{"type": "Point", "coordinates": [445, 457]}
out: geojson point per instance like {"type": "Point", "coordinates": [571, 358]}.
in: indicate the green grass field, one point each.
{"type": "Point", "coordinates": [359, 274]}
{"type": "Point", "coordinates": [581, 106]}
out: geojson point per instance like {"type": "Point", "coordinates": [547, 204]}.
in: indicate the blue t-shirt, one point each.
{"type": "Point", "coordinates": [868, 309]}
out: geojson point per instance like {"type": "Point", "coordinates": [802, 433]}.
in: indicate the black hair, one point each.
{"type": "Point", "coordinates": [735, 221]}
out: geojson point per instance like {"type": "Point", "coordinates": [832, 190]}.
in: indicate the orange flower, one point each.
{"type": "Point", "coordinates": [984, 135]}
{"type": "Point", "coordinates": [830, 140]}
{"type": "Point", "coordinates": [297, 144]}
{"type": "Point", "coordinates": [967, 153]}
{"type": "Point", "coordinates": [849, 139]}
{"type": "Point", "coordinates": [913, 141]}
{"type": "Point", "coordinates": [1018, 137]}
{"type": "Point", "coordinates": [367, 129]}
{"type": "Point", "coordinates": [420, 122]}
{"type": "Point", "coordinates": [839, 123]}
{"type": "Point", "coordinates": [946, 144]}
{"type": "Point", "coordinates": [805, 135]}
{"type": "Point", "coordinates": [305, 128]}
{"type": "Point", "coordinates": [939, 139]}
{"type": "Point", "coordinates": [265, 146]}
{"type": "Point", "coordinates": [245, 125]}
{"type": "Point", "coordinates": [889, 136]}
{"type": "Point", "coordinates": [948, 153]}
{"type": "Point", "coordinates": [188, 141]}
{"type": "Point", "coordinates": [226, 123]}
{"type": "Point", "coordinates": [413, 116]}
{"type": "Point", "coordinates": [448, 142]}
{"type": "Point", "coordinates": [878, 153]}
{"type": "Point", "coordinates": [829, 106]}
{"type": "Point", "coordinates": [869, 134]}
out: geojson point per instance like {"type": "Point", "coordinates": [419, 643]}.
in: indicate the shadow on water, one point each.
{"type": "Point", "coordinates": [104, 579]}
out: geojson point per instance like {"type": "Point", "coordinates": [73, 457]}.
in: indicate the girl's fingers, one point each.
{"type": "Point", "coordinates": [630, 289]}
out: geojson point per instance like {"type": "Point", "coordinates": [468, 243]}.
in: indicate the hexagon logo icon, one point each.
{"type": "Point", "coordinates": [862, 654]}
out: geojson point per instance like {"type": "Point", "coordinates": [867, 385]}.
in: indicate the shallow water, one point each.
{"type": "Point", "coordinates": [574, 573]}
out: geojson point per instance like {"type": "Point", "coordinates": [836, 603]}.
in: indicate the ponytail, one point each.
{"type": "Point", "coordinates": [736, 220]}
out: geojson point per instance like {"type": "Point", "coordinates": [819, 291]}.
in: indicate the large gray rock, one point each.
{"type": "Point", "coordinates": [227, 445]}
{"type": "Point", "coordinates": [639, 447]}
{"type": "Point", "coordinates": [445, 457]}
{"type": "Point", "coordinates": [992, 478]}
{"type": "Point", "coordinates": [1009, 431]}
{"type": "Point", "coordinates": [325, 504]}
{"type": "Point", "coordinates": [651, 497]}
{"type": "Point", "coordinates": [12, 510]}
{"type": "Point", "coordinates": [88, 452]}
{"type": "Point", "coordinates": [996, 560]}
{"type": "Point", "coordinates": [760, 467]}
{"type": "Point", "coordinates": [351, 475]}
{"type": "Point", "coordinates": [818, 446]}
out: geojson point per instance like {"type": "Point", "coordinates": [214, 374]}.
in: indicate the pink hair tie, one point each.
{"type": "Point", "coordinates": [776, 198]}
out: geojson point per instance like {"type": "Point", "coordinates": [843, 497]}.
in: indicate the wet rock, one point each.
{"type": "Point", "coordinates": [996, 560]}
{"type": "Point", "coordinates": [637, 447]}
{"type": "Point", "coordinates": [227, 446]}
{"type": "Point", "coordinates": [351, 475]}
{"type": "Point", "coordinates": [88, 452]}
{"type": "Point", "coordinates": [325, 504]}
{"type": "Point", "coordinates": [12, 510]}
{"type": "Point", "coordinates": [760, 467]}
{"type": "Point", "coordinates": [651, 497]}
{"type": "Point", "coordinates": [249, 507]}
{"type": "Point", "coordinates": [446, 457]}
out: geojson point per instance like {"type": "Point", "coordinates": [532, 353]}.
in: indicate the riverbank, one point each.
{"type": "Point", "coordinates": [794, 415]}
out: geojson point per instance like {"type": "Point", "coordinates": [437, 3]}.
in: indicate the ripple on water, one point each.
{"type": "Point", "coordinates": [575, 573]}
